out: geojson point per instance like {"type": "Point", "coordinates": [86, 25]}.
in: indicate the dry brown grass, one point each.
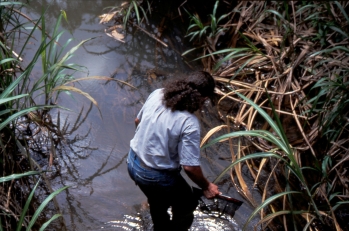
{"type": "Point", "coordinates": [295, 52]}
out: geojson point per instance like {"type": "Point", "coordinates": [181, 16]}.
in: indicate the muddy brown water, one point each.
{"type": "Point", "coordinates": [92, 160]}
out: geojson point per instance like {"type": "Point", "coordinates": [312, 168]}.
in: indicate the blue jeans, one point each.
{"type": "Point", "coordinates": [164, 189]}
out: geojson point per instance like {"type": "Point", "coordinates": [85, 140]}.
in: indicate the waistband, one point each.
{"type": "Point", "coordinates": [143, 165]}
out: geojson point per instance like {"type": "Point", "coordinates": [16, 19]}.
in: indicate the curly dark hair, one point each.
{"type": "Point", "coordinates": [189, 93]}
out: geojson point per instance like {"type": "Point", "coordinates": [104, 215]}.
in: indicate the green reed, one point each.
{"type": "Point", "coordinates": [298, 51]}
{"type": "Point", "coordinates": [134, 7]}
{"type": "Point", "coordinates": [19, 96]}
{"type": "Point", "coordinates": [280, 141]}
{"type": "Point", "coordinates": [203, 33]}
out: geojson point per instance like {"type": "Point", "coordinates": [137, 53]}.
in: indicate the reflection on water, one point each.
{"type": "Point", "coordinates": [202, 222]}
{"type": "Point", "coordinates": [92, 159]}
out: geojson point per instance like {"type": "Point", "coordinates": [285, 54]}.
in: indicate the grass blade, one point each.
{"type": "Point", "coordinates": [26, 206]}
{"type": "Point", "coordinates": [21, 113]}
{"type": "Point", "coordinates": [54, 217]}
{"type": "Point", "coordinates": [18, 176]}
{"type": "Point", "coordinates": [5, 100]}
{"type": "Point", "coordinates": [264, 114]}
{"type": "Point", "coordinates": [265, 203]}
{"type": "Point", "coordinates": [43, 205]}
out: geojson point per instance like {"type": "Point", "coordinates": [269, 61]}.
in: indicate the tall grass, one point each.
{"type": "Point", "coordinates": [127, 11]}
{"type": "Point", "coordinates": [283, 61]}
{"type": "Point", "coordinates": [298, 52]}
{"type": "Point", "coordinates": [19, 97]}
{"type": "Point", "coordinates": [204, 34]}
{"type": "Point", "coordinates": [287, 156]}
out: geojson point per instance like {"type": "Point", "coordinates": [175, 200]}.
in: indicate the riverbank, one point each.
{"type": "Point", "coordinates": [282, 70]}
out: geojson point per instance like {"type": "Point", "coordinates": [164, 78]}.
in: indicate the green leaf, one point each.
{"type": "Point", "coordinates": [18, 176]}
{"type": "Point", "coordinates": [342, 10]}
{"type": "Point", "coordinates": [252, 156]}
{"type": "Point", "coordinates": [265, 203]}
{"type": "Point", "coordinates": [215, 8]}
{"type": "Point", "coordinates": [339, 31]}
{"type": "Point", "coordinates": [11, 3]}
{"type": "Point", "coordinates": [11, 87]}
{"type": "Point", "coordinates": [190, 50]}
{"type": "Point", "coordinates": [3, 112]}
{"type": "Point", "coordinates": [329, 50]}
{"type": "Point", "coordinates": [42, 206]}
{"type": "Point", "coordinates": [308, 224]}
{"type": "Point", "coordinates": [21, 113]}
{"type": "Point", "coordinates": [144, 14]}
{"type": "Point", "coordinates": [334, 208]}
{"type": "Point", "coordinates": [44, 226]}
{"type": "Point", "coordinates": [280, 213]}
{"type": "Point", "coordinates": [5, 100]}
{"type": "Point", "coordinates": [299, 11]}
{"type": "Point", "coordinates": [137, 12]}
{"type": "Point", "coordinates": [282, 132]}
{"type": "Point", "coordinates": [257, 133]}
{"type": "Point", "coordinates": [26, 206]}
{"type": "Point", "coordinates": [265, 116]}
{"type": "Point", "coordinates": [333, 195]}
{"type": "Point", "coordinates": [8, 60]}
{"type": "Point", "coordinates": [277, 14]}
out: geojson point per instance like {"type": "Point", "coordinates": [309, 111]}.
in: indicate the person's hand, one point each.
{"type": "Point", "coordinates": [211, 191]}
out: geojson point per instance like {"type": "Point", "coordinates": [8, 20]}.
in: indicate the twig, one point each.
{"type": "Point", "coordinates": [300, 126]}
{"type": "Point", "coordinates": [240, 101]}
{"type": "Point", "coordinates": [149, 34]}
{"type": "Point", "coordinates": [36, 24]}
{"type": "Point", "coordinates": [252, 86]}
{"type": "Point", "coordinates": [179, 11]}
{"type": "Point", "coordinates": [9, 194]}
{"type": "Point", "coordinates": [9, 211]}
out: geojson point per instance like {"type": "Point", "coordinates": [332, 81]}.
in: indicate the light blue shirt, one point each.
{"type": "Point", "coordinates": [166, 139]}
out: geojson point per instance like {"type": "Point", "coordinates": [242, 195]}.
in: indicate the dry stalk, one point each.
{"type": "Point", "coordinates": [300, 126]}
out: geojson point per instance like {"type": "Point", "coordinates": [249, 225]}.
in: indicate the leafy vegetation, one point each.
{"type": "Point", "coordinates": [24, 115]}
{"type": "Point", "coordinates": [282, 72]}
{"type": "Point", "coordinates": [291, 55]}
{"type": "Point", "coordinates": [285, 62]}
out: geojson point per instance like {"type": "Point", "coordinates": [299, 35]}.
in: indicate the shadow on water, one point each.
{"type": "Point", "coordinates": [92, 157]}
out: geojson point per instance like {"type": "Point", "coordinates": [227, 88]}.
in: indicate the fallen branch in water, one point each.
{"type": "Point", "coordinates": [150, 35]}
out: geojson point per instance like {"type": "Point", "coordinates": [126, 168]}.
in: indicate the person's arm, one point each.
{"type": "Point", "coordinates": [210, 190]}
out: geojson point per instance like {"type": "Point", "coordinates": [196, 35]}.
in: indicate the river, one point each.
{"type": "Point", "coordinates": [92, 160]}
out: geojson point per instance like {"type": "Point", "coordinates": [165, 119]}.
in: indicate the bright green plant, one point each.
{"type": "Point", "coordinates": [233, 54]}
{"type": "Point", "coordinates": [197, 27]}
{"type": "Point", "coordinates": [19, 97]}
{"type": "Point", "coordinates": [6, 102]}
{"type": "Point", "coordinates": [54, 65]}
{"type": "Point", "coordinates": [320, 21]}
{"type": "Point", "coordinates": [201, 32]}
{"type": "Point", "coordinates": [198, 30]}
{"type": "Point", "coordinates": [331, 98]}
{"type": "Point", "coordinates": [331, 104]}
{"type": "Point", "coordinates": [39, 210]}
{"type": "Point", "coordinates": [134, 6]}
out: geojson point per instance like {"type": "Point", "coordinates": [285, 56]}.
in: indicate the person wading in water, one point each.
{"type": "Point", "coordinates": [167, 139]}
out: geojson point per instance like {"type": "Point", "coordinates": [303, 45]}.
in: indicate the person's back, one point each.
{"type": "Point", "coordinates": [160, 136]}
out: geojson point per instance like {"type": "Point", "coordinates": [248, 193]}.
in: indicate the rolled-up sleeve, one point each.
{"type": "Point", "coordinates": [189, 144]}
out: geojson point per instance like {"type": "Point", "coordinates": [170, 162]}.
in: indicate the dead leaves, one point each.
{"type": "Point", "coordinates": [105, 18]}
{"type": "Point", "coordinates": [116, 31]}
